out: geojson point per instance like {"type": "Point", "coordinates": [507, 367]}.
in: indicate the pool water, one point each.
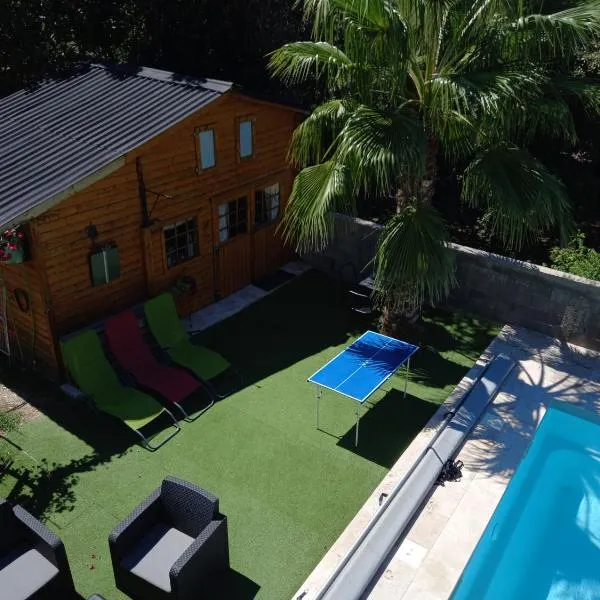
{"type": "Point", "coordinates": [543, 540]}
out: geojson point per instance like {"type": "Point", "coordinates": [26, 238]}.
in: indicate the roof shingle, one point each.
{"type": "Point", "coordinates": [67, 128]}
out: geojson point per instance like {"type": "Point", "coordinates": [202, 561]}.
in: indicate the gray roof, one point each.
{"type": "Point", "coordinates": [65, 129]}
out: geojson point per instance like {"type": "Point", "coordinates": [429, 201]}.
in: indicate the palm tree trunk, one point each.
{"type": "Point", "coordinates": [401, 313]}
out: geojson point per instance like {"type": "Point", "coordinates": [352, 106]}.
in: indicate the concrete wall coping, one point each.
{"type": "Point", "coordinates": [519, 265]}
{"type": "Point", "coordinates": [490, 258]}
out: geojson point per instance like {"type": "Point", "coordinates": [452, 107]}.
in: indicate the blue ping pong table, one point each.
{"type": "Point", "coordinates": [362, 367]}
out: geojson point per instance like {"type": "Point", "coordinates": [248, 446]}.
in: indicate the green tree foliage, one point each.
{"type": "Point", "coordinates": [577, 259]}
{"type": "Point", "coordinates": [219, 38]}
{"type": "Point", "coordinates": [411, 82]}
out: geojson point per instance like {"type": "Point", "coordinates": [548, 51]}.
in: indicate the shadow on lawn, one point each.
{"type": "Point", "coordinates": [299, 320]}
{"type": "Point", "coordinates": [388, 427]}
{"type": "Point", "coordinates": [235, 586]}
{"type": "Point", "coordinates": [43, 487]}
{"type": "Point", "coordinates": [431, 369]}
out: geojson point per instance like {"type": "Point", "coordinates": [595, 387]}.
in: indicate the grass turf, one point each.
{"type": "Point", "coordinates": [287, 488]}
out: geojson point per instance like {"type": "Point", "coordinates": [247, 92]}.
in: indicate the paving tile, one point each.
{"type": "Point", "coordinates": [434, 581]}
{"type": "Point", "coordinates": [223, 309]}
{"type": "Point", "coordinates": [428, 563]}
{"type": "Point", "coordinates": [410, 553]}
{"type": "Point", "coordinates": [393, 582]}
{"type": "Point", "coordinates": [296, 268]}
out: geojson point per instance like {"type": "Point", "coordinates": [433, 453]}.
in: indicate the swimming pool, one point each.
{"type": "Point", "coordinates": [543, 540]}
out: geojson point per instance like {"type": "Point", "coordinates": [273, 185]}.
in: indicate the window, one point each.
{"type": "Point", "coordinates": [266, 205]}
{"type": "Point", "coordinates": [233, 218]}
{"type": "Point", "coordinates": [105, 265]}
{"type": "Point", "coordinates": [246, 141]}
{"type": "Point", "coordinates": [206, 142]}
{"type": "Point", "coordinates": [181, 241]}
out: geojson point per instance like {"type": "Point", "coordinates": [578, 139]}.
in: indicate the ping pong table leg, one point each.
{"type": "Point", "coordinates": [319, 394]}
{"type": "Point", "coordinates": [357, 419]}
{"type": "Point", "coordinates": [406, 376]}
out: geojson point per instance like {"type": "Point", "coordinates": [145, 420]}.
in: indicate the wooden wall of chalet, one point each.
{"type": "Point", "coordinates": [30, 330]}
{"type": "Point", "coordinates": [169, 164]}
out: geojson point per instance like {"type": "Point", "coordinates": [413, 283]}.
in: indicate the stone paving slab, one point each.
{"type": "Point", "coordinates": [429, 558]}
{"type": "Point", "coordinates": [236, 302]}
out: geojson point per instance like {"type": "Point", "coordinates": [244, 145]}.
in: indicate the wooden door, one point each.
{"type": "Point", "coordinates": [233, 244]}
{"type": "Point", "coordinates": [268, 246]}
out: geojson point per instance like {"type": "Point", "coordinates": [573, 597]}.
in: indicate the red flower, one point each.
{"type": "Point", "coordinates": [12, 246]}
{"type": "Point", "coordinates": [20, 235]}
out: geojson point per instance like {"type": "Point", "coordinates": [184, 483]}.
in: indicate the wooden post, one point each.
{"type": "Point", "coordinates": [148, 260]}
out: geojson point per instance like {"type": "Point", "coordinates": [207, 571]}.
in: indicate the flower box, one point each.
{"type": "Point", "coordinates": [14, 257]}
{"type": "Point", "coordinates": [13, 250]}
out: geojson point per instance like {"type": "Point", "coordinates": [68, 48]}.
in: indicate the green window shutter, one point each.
{"type": "Point", "coordinates": [105, 265]}
{"type": "Point", "coordinates": [113, 264]}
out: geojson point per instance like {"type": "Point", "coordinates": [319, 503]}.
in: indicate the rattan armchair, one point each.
{"type": "Point", "coordinates": [172, 546]}
{"type": "Point", "coordinates": [33, 561]}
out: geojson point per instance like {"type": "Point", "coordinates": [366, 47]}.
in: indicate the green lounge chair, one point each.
{"type": "Point", "coordinates": [165, 326]}
{"type": "Point", "coordinates": [94, 376]}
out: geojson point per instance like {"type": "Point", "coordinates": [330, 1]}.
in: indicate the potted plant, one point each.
{"type": "Point", "coordinates": [12, 246]}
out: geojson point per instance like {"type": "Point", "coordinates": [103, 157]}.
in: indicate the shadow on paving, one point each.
{"type": "Point", "coordinates": [384, 431]}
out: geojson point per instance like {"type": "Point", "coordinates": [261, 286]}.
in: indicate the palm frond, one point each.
{"type": "Point", "coordinates": [321, 13]}
{"type": "Point", "coordinates": [313, 140]}
{"type": "Point", "coordinates": [379, 148]}
{"type": "Point", "coordinates": [477, 16]}
{"type": "Point", "coordinates": [375, 35]}
{"type": "Point", "coordinates": [586, 90]}
{"type": "Point", "coordinates": [318, 192]}
{"type": "Point", "coordinates": [296, 62]}
{"type": "Point", "coordinates": [413, 262]}
{"type": "Point", "coordinates": [371, 15]}
{"type": "Point", "coordinates": [487, 91]}
{"type": "Point", "coordinates": [520, 194]}
{"type": "Point", "coordinates": [456, 133]}
{"type": "Point", "coordinates": [548, 118]}
{"type": "Point", "coordinates": [557, 35]}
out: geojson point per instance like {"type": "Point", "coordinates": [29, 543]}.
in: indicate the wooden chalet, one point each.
{"type": "Point", "coordinates": [118, 184]}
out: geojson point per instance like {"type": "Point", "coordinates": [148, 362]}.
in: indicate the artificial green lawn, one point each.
{"type": "Point", "coordinates": [288, 489]}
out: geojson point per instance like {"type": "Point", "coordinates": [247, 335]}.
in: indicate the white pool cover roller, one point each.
{"type": "Point", "coordinates": [362, 562]}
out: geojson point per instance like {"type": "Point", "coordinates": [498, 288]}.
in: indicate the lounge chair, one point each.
{"type": "Point", "coordinates": [126, 343]}
{"type": "Point", "coordinates": [94, 376]}
{"type": "Point", "coordinates": [174, 545]}
{"type": "Point", "coordinates": [33, 561]}
{"type": "Point", "coordinates": [163, 321]}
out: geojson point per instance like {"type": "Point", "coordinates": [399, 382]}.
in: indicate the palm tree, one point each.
{"type": "Point", "coordinates": [411, 82]}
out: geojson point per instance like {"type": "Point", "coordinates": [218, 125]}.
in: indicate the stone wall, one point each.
{"type": "Point", "coordinates": [349, 256]}
{"type": "Point", "coordinates": [496, 287]}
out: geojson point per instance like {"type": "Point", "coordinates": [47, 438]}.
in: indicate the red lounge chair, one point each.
{"type": "Point", "coordinates": [127, 345]}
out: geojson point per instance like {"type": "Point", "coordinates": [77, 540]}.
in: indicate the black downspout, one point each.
{"type": "Point", "coordinates": [142, 192]}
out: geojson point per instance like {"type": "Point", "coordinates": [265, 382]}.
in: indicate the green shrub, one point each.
{"type": "Point", "coordinates": [9, 422]}
{"type": "Point", "coordinates": [577, 259]}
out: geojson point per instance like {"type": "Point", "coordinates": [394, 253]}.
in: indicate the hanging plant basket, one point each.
{"type": "Point", "coordinates": [13, 249]}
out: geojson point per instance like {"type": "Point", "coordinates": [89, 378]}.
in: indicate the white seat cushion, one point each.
{"type": "Point", "coordinates": [23, 573]}
{"type": "Point", "coordinates": [155, 553]}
